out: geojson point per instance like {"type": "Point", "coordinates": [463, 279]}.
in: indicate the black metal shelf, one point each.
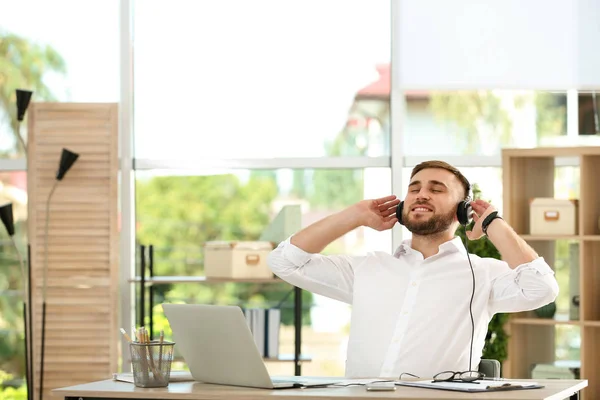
{"type": "Point", "coordinates": [148, 282]}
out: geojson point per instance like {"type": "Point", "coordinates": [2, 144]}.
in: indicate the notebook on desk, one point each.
{"type": "Point", "coordinates": [219, 348]}
{"type": "Point", "coordinates": [475, 387]}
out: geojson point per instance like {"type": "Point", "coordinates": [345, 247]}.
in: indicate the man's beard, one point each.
{"type": "Point", "coordinates": [434, 225]}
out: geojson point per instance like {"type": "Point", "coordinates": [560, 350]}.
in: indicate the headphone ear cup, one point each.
{"type": "Point", "coordinates": [464, 213]}
{"type": "Point", "coordinates": [399, 212]}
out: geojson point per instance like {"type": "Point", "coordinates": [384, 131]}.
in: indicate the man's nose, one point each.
{"type": "Point", "coordinates": [423, 195]}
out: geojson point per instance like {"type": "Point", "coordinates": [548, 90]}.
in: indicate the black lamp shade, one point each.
{"type": "Point", "coordinates": [23, 98]}
{"type": "Point", "coordinates": [67, 159]}
{"type": "Point", "coordinates": [6, 214]}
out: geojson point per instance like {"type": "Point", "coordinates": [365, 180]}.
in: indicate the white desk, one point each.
{"type": "Point", "coordinates": [109, 389]}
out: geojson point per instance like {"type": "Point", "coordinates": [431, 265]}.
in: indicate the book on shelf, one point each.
{"type": "Point", "coordinates": [264, 324]}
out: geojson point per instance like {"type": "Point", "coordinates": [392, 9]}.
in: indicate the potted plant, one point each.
{"type": "Point", "coordinates": [496, 340]}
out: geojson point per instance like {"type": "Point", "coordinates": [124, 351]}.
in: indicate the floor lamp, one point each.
{"type": "Point", "coordinates": [67, 159]}
{"type": "Point", "coordinates": [6, 215]}
{"type": "Point", "coordinates": [23, 99]}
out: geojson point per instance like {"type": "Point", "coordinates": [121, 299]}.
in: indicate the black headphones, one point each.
{"type": "Point", "coordinates": [464, 212]}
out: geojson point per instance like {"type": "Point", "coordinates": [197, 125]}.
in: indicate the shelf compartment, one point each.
{"type": "Point", "coordinates": [589, 204]}
{"type": "Point", "coordinates": [541, 344]}
{"type": "Point", "coordinates": [525, 178]}
{"type": "Point", "coordinates": [590, 280]}
{"type": "Point", "coordinates": [536, 345]}
{"type": "Point", "coordinates": [590, 362]}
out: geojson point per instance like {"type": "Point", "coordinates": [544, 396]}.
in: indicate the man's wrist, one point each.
{"type": "Point", "coordinates": [356, 216]}
{"type": "Point", "coordinates": [493, 216]}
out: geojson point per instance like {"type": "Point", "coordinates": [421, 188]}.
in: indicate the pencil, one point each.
{"type": "Point", "coordinates": [126, 335]}
{"type": "Point", "coordinates": [160, 349]}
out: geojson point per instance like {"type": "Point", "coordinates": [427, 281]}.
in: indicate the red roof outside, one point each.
{"type": "Point", "coordinates": [18, 179]}
{"type": "Point", "coordinates": [381, 87]}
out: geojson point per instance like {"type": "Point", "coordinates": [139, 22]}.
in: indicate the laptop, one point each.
{"type": "Point", "coordinates": [219, 348]}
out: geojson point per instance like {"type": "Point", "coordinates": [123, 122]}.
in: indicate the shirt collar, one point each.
{"type": "Point", "coordinates": [450, 246]}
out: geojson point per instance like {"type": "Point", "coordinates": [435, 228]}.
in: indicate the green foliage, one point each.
{"type": "Point", "coordinates": [8, 391]}
{"type": "Point", "coordinates": [24, 65]}
{"type": "Point", "coordinates": [471, 113]}
{"type": "Point", "coordinates": [551, 114]}
{"type": "Point", "coordinates": [496, 340]}
{"type": "Point", "coordinates": [336, 189]}
{"type": "Point", "coordinates": [476, 117]}
{"type": "Point", "coordinates": [179, 214]}
{"type": "Point", "coordinates": [185, 212]}
{"type": "Point", "coordinates": [12, 345]}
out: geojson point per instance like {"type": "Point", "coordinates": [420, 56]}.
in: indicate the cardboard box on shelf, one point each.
{"type": "Point", "coordinates": [237, 259]}
{"type": "Point", "coordinates": [549, 216]}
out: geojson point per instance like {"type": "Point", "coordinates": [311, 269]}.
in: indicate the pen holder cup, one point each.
{"type": "Point", "coordinates": [151, 363]}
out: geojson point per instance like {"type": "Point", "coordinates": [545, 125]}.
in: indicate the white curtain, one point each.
{"type": "Point", "coordinates": [497, 44]}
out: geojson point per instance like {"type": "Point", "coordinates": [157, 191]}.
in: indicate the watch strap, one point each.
{"type": "Point", "coordinates": [488, 220]}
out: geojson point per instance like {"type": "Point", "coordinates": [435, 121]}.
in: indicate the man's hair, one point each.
{"type": "Point", "coordinates": [444, 165]}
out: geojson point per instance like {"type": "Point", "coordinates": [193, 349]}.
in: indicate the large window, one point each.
{"type": "Point", "coordinates": [261, 79]}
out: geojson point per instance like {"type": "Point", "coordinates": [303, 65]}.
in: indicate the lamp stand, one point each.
{"type": "Point", "coordinates": [21, 140]}
{"type": "Point", "coordinates": [30, 385]}
{"type": "Point", "coordinates": [45, 277]}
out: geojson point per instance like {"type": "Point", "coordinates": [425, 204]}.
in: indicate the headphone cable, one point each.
{"type": "Point", "coordinates": [471, 303]}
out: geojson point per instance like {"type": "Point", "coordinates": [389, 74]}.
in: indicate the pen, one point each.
{"type": "Point", "coordinates": [505, 386]}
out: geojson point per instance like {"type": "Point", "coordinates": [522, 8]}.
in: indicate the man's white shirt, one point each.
{"type": "Point", "coordinates": [409, 314]}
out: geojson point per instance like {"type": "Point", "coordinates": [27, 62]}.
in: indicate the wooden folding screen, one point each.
{"type": "Point", "coordinates": [82, 277]}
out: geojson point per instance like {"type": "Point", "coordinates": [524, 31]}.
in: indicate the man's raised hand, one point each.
{"type": "Point", "coordinates": [379, 214]}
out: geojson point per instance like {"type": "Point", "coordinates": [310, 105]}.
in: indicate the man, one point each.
{"type": "Point", "coordinates": [411, 311]}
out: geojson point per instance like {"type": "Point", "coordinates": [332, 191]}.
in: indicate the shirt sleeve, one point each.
{"type": "Point", "coordinates": [527, 287]}
{"type": "Point", "coordinates": [331, 276]}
